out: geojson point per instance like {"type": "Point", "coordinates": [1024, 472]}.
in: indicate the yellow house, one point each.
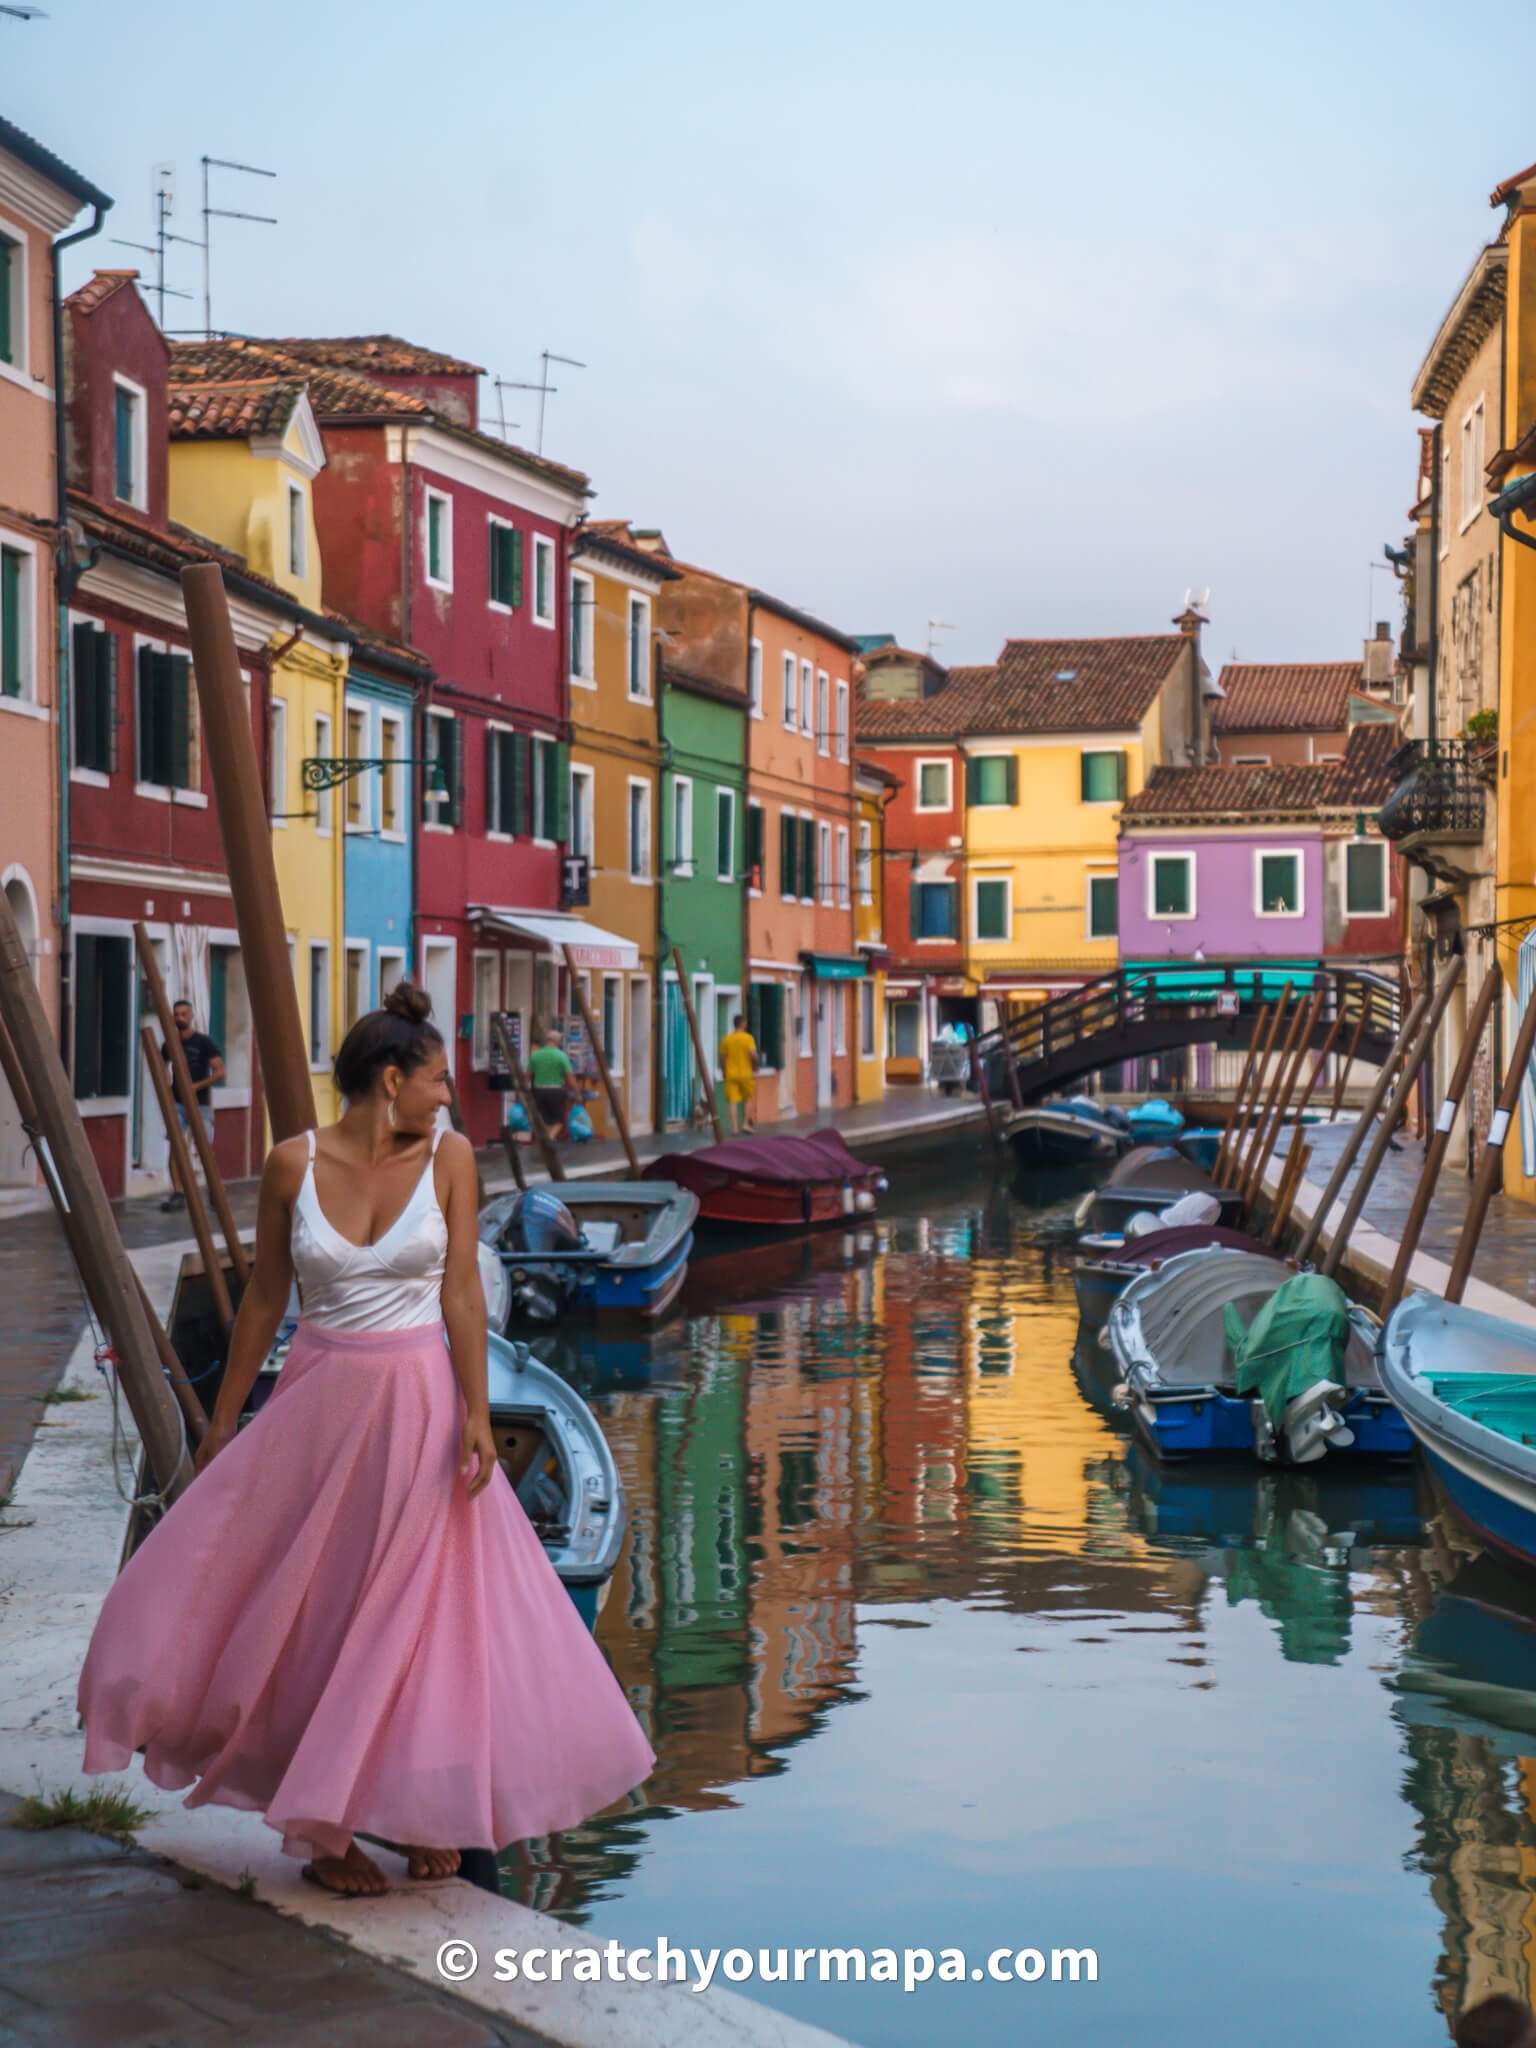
{"type": "Point", "coordinates": [1515, 464]}
{"type": "Point", "coordinates": [242, 462]}
{"type": "Point", "coordinates": [1054, 737]}
{"type": "Point", "coordinates": [615, 809]}
{"type": "Point", "coordinates": [873, 788]}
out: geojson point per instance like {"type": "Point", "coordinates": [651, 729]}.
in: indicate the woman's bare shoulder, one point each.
{"type": "Point", "coordinates": [455, 1151]}
{"type": "Point", "coordinates": [286, 1164]}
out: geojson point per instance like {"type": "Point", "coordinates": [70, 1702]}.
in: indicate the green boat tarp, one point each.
{"type": "Point", "coordinates": [1297, 1338]}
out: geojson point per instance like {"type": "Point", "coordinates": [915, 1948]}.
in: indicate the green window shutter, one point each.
{"type": "Point", "coordinates": [559, 800]}
{"type": "Point", "coordinates": [755, 843]}
{"type": "Point", "coordinates": [1085, 789]}
{"type": "Point", "coordinates": [808, 875]}
{"type": "Point", "coordinates": [495, 788]}
{"type": "Point", "coordinates": [786, 854]}
{"type": "Point", "coordinates": [10, 622]}
{"type": "Point", "coordinates": [177, 688]}
{"type": "Point", "coordinates": [515, 570]}
{"type": "Point", "coordinates": [122, 442]}
{"type": "Point", "coordinates": [517, 756]}
{"type": "Point", "coordinates": [116, 966]}
{"type": "Point", "coordinates": [87, 1032]}
{"type": "Point", "coordinates": [972, 781]}
{"type": "Point", "coordinates": [1012, 793]}
{"type": "Point", "coordinates": [456, 772]}
{"type": "Point", "coordinates": [1122, 775]}
{"type": "Point", "coordinates": [149, 721]}
{"type": "Point", "coordinates": [82, 650]}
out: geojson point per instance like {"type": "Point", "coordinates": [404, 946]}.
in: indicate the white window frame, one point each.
{"type": "Point", "coordinates": [277, 761]}
{"type": "Point", "coordinates": [1100, 875]}
{"type": "Point", "coordinates": [868, 1040]}
{"type": "Point", "coordinates": [103, 928]}
{"type": "Point", "coordinates": [823, 712]}
{"type": "Point", "coordinates": [362, 782]}
{"type": "Point", "coordinates": [325, 799]}
{"type": "Point", "coordinates": [350, 948]}
{"type": "Point", "coordinates": [435, 824]}
{"type": "Point", "coordinates": [933, 761]}
{"type": "Point", "coordinates": [584, 604]}
{"type": "Point", "coordinates": [1264, 853]}
{"type": "Point", "coordinates": [614, 1053]}
{"type": "Point", "coordinates": [138, 496]}
{"type": "Point", "coordinates": [493, 520]}
{"type": "Point", "coordinates": [840, 723]}
{"type": "Point", "coordinates": [1386, 878]}
{"type": "Point", "coordinates": [20, 372]}
{"type": "Point", "coordinates": [480, 1036]}
{"type": "Point", "coordinates": [580, 772]}
{"type": "Point", "coordinates": [755, 677]}
{"type": "Point", "coordinates": [1471, 445]}
{"type": "Point", "coordinates": [826, 891]}
{"type": "Point", "coordinates": [1250, 760]}
{"type": "Point", "coordinates": [544, 551]}
{"type": "Point", "coordinates": [680, 864]}
{"type": "Point", "coordinates": [26, 702]}
{"type": "Point", "coordinates": [429, 498]}
{"type": "Point", "coordinates": [394, 775]}
{"type": "Point", "coordinates": [839, 1019]}
{"type": "Point", "coordinates": [637, 607]}
{"type": "Point", "coordinates": [789, 704]}
{"type": "Point", "coordinates": [1170, 916]}
{"type": "Point", "coordinates": [1445, 499]}
{"type": "Point", "coordinates": [725, 800]}
{"type": "Point", "coordinates": [322, 1063]}
{"type": "Point", "coordinates": [1007, 881]}
{"type": "Point", "coordinates": [808, 895]}
{"type": "Point", "coordinates": [864, 861]}
{"type": "Point", "coordinates": [844, 884]}
{"type": "Point", "coordinates": [1097, 753]}
{"type": "Point", "coordinates": [634, 783]}
{"type": "Point", "coordinates": [493, 728]}
{"type": "Point", "coordinates": [194, 796]}
{"type": "Point", "coordinates": [536, 817]}
{"type": "Point", "coordinates": [805, 1017]}
{"type": "Point", "coordinates": [807, 697]}
{"type": "Point", "coordinates": [754, 805]}
{"type": "Point", "coordinates": [387, 956]}
{"type": "Point", "coordinates": [297, 501]}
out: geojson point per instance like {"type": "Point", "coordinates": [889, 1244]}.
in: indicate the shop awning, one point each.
{"type": "Point", "coordinates": [835, 966]}
{"type": "Point", "coordinates": [548, 931]}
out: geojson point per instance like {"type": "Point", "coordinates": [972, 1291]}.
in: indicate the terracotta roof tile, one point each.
{"type": "Point", "coordinates": [1286, 696]}
{"type": "Point", "coordinates": [98, 289]}
{"type": "Point", "coordinates": [1501, 194]}
{"type": "Point", "coordinates": [1363, 777]}
{"type": "Point", "coordinates": [1288, 789]}
{"type": "Point", "coordinates": [1035, 686]}
{"type": "Point", "coordinates": [232, 412]}
{"type": "Point", "coordinates": [385, 353]}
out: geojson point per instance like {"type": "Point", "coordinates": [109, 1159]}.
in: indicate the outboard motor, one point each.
{"type": "Point", "coordinates": [537, 1224]}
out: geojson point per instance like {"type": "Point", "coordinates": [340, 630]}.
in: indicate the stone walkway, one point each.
{"type": "Point", "coordinates": [101, 1945]}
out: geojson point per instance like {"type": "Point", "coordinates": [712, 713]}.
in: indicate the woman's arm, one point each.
{"type": "Point", "coordinates": [265, 1300]}
{"type": "Point", "coordinates": [464, 1309]}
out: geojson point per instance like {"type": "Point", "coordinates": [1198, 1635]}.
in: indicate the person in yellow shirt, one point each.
{"type": "Point", "coordinates": [738, 1064]}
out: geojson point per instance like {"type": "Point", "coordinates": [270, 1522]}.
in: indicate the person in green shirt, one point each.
{"type": "Point", "coordinates": [549, 1076]}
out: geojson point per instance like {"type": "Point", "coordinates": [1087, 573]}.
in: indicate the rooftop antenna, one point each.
{"type": "Point", "coordinates": [500, 386]}
{"type": "Point", "coordinates": [1375, 569]}
{"type": "Point", "coordinates": [1200, 603]}
{"type": "Point", "coordinates": [545, 388]}
{"type": "Point", "coordinates": [212, 213]}
{"type": "Point", "coordinates": [165, 206]}
{"type": "Point", "coordinates": [935, 628]}
{"type": "Point", "coordinates": [25, 13]}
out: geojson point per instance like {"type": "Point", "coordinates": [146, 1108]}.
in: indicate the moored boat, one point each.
{"type": "Point", "coordinates": [1071, 1133]}
{"type": "Point", "coordinates": [1153, 1177]}
{"type": "Point", "coordinates": [604, 1248]}
{"type": "Point", "coordinates": [1466, 1385]}
{"type": "Point", "coordinates": [1171, 1336]}
{"type": "Point", "coordinates": [1108, 1261]}
{"type": "Point", "coordinates": [768, 1182]}
{"type": "Point", "coordinates": [1154, 1122]}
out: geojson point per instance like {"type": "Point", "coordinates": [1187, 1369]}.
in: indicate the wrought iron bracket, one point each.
{"type": "Point", "coordinates": [329, 771]}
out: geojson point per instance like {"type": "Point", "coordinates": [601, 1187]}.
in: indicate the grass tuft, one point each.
{"type": "Point", "coordinates": [104, 1810]}
{"type": "Point", "coordinates": [61, 1394]}
{"type": "Point", "coordinates": [247, 1885]}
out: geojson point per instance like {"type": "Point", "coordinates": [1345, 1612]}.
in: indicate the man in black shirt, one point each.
{"type": "Point", "coordinates": [205, 1064]}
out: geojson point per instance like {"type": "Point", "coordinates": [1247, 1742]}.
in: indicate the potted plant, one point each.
{"type": "Point", "coordinates": [1481, 733]}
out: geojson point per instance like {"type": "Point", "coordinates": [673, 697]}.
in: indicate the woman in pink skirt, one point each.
{"type": "Point", "coordinates": [347, 1624]}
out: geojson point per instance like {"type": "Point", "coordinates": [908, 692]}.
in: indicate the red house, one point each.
{"type": "Point", "coordinates": [926, 985]}
{"type": "Point", "coordinates": [457, 545]}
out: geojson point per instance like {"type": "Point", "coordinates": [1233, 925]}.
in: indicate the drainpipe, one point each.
{"type": "Point", "coordinates": [67, 573]}
{"type": "Point", "coordinates": [1436, 514]}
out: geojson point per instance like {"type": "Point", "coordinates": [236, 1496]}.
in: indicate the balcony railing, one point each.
{"type": "Point", "coordinates": [1439, 793]}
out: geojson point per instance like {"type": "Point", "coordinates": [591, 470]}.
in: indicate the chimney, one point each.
{"type": "Point", "coordinates": [1380, 658]}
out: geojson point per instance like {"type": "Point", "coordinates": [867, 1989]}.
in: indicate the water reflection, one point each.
{"type": "Point", "coordinates": [915, 1629]}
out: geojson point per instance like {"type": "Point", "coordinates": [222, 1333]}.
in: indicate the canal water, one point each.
{"type": "Point", "coordinates": [933, 1656]}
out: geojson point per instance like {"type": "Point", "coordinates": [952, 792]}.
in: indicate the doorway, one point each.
{"type": "Point", "coordinates": [822, 997]}
{"type": "Point", "coordinates": [16, 1163]}
{"type": "Point", "coordinates": [638, 1054]}
{"type": "Point", "coordinates": [438, 978]}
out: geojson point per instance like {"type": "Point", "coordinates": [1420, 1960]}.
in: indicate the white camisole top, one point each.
{"type": "Point", "coordinates": [396, 1284]}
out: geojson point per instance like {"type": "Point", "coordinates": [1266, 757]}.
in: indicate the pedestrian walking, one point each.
{"type": "Point", "coordinates": [549, 1076]}
{"type": "Point", "coordinates": [205, 1065]}
{"type": "Point", "coordinates": [738, 1068]}
{"type": "Point", "coordinates": [347, 1623]}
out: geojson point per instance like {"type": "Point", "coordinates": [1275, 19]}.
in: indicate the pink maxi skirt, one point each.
{"type": "Point", "coordinates": [327, 1631]}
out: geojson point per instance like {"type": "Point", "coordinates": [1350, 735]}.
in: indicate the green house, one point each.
{"type": "Point", "coordinates": [703, 853]}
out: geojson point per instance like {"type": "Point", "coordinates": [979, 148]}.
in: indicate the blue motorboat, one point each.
{"type": "Point", "coordinates": [1154, 1122]}
{"type": "Point", "coordinates": [1108, 1261]}
{"type": "Point", "coordinates": [602, 1248]}
{"type": "Point", "coordinates": [1169, 1335]}
{"type": "Point", "coordinates": [1202, 1146]}
{"type": "Point", "coordinates": [1466, 1384]}
{"type": "Point", "coordinates": [1072, 1133]}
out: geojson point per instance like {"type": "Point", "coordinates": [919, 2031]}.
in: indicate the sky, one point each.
{"type": "Point", "coordinates": [1021, 319]}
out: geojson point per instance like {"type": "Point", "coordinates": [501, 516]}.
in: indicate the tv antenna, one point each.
{"type": "Point", "coordinates": [545, 388]}
{"type": "Point", "coordinates": [212, 213]}
{"type": "Point", "coordinates": [935, 628]}
{"type": "Point", "coordinates": [164, 207]}
{"type": "Point", "coordinates": [1200, 603]}
{"type": "Point", "coordinates": [500, 386]}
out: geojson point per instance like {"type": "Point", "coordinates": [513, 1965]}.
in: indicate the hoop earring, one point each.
{"type": "Point", "coordinates": [390, 1113]}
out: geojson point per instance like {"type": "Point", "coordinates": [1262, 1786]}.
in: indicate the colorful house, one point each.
{"type": "Point", "coordinates": [442, 538]}
{"type": "Point", "coordinates": [874, 788]}
{"type": "Point", "coordinates": [244, 456]}
{"type": "Point", "coordinates": [702, 848]}
{"type": "Point", "coordinates": [1299, 713]}
{"type": "Point", "coordinates": [615, 765]}
{"type": "Point", "coordinates": [39, 197]}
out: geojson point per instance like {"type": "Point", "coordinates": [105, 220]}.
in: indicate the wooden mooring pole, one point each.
{"type": "Point", "coordinates": [1239, 1096]}
{"type": "Point", "coordinates": [1349, 1064]}
{"type": "Point", "coordinates": [111, 1284]}
{"type": "Point", "coordinates": [698, 1047]}
{"type": "Point", "coordinates": [554, 1165]}
{"type": "Point", "coordinates": [1349, 1150]}
{"type": "Point", "coordinates": [1233, 1161]}
{"type": "Point", "coordinates": [1491, 1166]}
{"type": "Point", "coordinates": [1242, 1174]}
{"type": "Point", "coordinates": [615, 1105]}
{"type": "Point", "coordinates": [1269, 1131]}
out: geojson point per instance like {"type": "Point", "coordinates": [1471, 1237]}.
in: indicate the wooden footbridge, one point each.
{"type": "Point", "coordinates": [1139, 1011]}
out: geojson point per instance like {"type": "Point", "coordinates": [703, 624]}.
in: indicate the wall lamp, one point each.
{"type": "Point", "coordinates": [1520, 496]}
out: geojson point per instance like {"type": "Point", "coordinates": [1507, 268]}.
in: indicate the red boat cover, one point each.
{"type": "Point", "coordinates": [819, 1156]}
{"type": "Point", "coordinates": [1158, 1245]}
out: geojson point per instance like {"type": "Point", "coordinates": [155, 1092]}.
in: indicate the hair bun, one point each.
{"type": "Point", "coordinates": [406, 1000]}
